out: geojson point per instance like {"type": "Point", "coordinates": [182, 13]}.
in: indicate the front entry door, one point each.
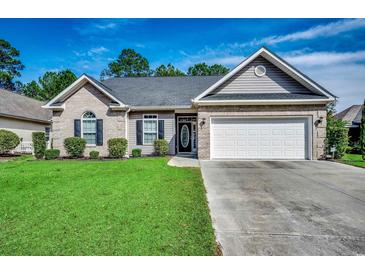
{"type": "Point", "coordinates": [184, 137]}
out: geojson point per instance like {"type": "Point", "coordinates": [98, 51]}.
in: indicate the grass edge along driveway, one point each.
{"type": "Point", "coordinates": [134, 207]}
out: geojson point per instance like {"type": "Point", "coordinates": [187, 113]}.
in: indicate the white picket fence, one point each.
{"type": "Point", "coordinates": [26, 148]}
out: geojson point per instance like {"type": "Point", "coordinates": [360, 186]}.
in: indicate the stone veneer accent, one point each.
{"type": "Point", "coordinates": [314, 111]}
{"type": "Point", "coordinates": [87, 98]}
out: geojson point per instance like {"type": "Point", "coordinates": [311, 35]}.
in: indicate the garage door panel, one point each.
{"type": "Point", "coordinates": [240, 138]}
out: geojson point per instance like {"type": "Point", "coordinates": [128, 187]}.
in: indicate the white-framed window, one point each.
{"type": "Point", "coordinates": [150, 128]}
{"type": "Point", "coordinates": [47, 131]}
{"type": "Point", "coordinates": [88, 127]}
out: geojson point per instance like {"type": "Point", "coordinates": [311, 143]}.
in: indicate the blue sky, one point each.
{"type": "Point", "coordinates": [331, 51]}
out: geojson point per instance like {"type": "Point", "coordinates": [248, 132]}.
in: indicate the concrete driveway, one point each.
{"type": "Point", "coordinates": [286, 208]}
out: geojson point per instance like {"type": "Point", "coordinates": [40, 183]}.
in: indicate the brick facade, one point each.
{"type": "Point", "coordinates": [314, 111]}
{"type": "Point", "coordinates": [87, 98]}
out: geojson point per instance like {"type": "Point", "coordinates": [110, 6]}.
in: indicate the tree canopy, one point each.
{"type": "Point", "coordinates": [168, 70]}
{"type": "Point", "coordinates": [49, 85]}
{"type": "Point", "coordinates": [10, 65]}
{"type": "Point", "coordinates": [129, 63]}
{"type": "Point", "coordinates": [202, 69]}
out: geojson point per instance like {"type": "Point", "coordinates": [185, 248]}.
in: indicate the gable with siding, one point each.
{"type": "Point", "coordinates": [274, 81]}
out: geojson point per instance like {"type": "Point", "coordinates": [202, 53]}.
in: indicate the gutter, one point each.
{"type": "Point", "coordinates": [25, 118]}
{"type": "Point", "coordinates": [262, 102]}
{"type": "Point", "coordinates": [161, 107]}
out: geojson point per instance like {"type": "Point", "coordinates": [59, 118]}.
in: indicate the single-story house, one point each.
{"type": "Point", "coordinates": [262, 109]}
{"type": "Point", "coordinates": [23, 115]}
{"type": "Point", "coordinates": [352, 115]}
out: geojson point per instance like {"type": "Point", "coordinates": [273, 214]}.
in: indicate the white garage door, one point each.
{"type": "Point", "coordinates": [242, 138]}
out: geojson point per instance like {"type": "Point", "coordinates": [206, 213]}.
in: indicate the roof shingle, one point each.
{"type": "Point", "coordinates": [16, 105]}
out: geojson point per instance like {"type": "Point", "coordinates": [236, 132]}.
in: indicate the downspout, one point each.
{"type": "Point", "coordinates": [126, 120]}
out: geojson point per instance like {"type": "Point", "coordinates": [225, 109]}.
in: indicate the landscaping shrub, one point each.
{"type": "Point", "coordinates": [51, 154]}
{"type": "Point", "coordinates": [94, 154]}
{"type": "Point", "coordinates": [8, 141]}
{"type": "Point", "coordinates": [136, 152]}
{"type": "Point", "coordinates": [337, 136]}
{"type": "Point", "coordinates": [117, 147]}
{"type": "Point", "coordinates": [39, 144]}
{"type": "Point", "coordinates": [75, 146]}
{"type": "Point", "coordinates": [161, 147]}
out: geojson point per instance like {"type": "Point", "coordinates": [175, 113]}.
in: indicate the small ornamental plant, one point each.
{"type": "Point", "coordinates": [161, 147]}
{"type": "Point", "coordinates": [117, 147]}
{"type": "Point", "coordinates": [8, 141]}
{"type": "Point", "coordinates": [136, 152]}
{"type": "Point", "coordinates": [94, 155]}
{"type": "Point", "coordinates": [75, 146]}
{"type": "Point", "coordinates": [51, 154]}
{"type": "Point", "coordinates": [39, 144]}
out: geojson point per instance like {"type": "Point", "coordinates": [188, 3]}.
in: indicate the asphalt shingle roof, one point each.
{"type": "Point", "coordinates": [16, 105]}
{"type": "Point", "coordinates": [352, 115]}
{"type": "Point", "coordinates": [159, 91]}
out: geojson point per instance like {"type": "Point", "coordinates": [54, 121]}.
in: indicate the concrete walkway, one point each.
{"type": "Point", "coordinates": [184, 161]}
{"type": "Point", "coordinates": [286, 208]}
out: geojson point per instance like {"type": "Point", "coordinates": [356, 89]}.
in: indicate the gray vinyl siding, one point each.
{"type": "Point", "coordinates": [275, 80]}
{"type": "Point", "coordinates": [169, 122]}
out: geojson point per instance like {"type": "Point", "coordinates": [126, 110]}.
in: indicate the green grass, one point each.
{"type": "Point", "coordinates": [353, 159]}
{"type": "Point", "coordinates": [133, 207]}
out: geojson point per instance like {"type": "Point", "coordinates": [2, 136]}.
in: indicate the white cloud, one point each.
{"type": "Point", "coordinates": [106, 26]}
{"type": "Point", "coordinates": [319, 31]}
{"type": "Point", "coordinates": [98, 50]}
{"type": "Point", "coordinates": [325, 58]}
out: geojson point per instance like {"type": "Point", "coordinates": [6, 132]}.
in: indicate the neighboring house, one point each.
{"type": "Point", "coordinates": [352, 116]}
{"type": "Point", "coordinates": [263, 109]}
{"type": "Point", "coordinates": [23, 115]}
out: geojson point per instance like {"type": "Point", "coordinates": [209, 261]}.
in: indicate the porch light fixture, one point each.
{"type": "Point", "coordinates": [202, 123]}
{"type": "Point", "coordinates": [319, 121]}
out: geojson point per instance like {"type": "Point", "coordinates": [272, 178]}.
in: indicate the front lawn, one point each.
{"type": "Point", "coordinates": [353, 159]}
{"type": "Point", "coordinates": [133, 207]}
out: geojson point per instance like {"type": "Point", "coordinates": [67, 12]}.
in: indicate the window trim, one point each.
{"type": "Point", "coordinates": [143, 132]}
{"type": "Point", "coordinates": [82, 127]}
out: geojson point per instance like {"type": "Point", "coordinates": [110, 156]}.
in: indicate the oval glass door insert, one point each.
{"type": "Point", "coordinates": [184, 136]}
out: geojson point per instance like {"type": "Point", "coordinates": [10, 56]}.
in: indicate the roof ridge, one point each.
{"type": "Point", "coordinates": [179, 76]}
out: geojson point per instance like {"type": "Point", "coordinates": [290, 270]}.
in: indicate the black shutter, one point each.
{"type": "Point", "coordinates": [161, 129]}
{"type": "Point", "coordinates": [99, 132]}
{"type": "Point", "coordinates": [77, 128]}
{"type": "Point", "coordinates": [139, 133]}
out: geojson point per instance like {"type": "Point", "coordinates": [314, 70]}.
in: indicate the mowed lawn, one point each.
{"type": "Point", "coordinates": [353, 159]}
{"type": "Point", "coordinates": [133, 207]}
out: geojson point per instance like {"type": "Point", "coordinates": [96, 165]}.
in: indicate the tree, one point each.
{"type": "Point", "coordinates": [337, 133]}
{"type": "Point", "coordinates": [128, 64]}
{"type": "Point", "coordinates": [362, 132]}
{"type": "Point", "coordinates": [10, 66]}
{"type": "Point", "coordinates": [168, 70]}
{"type": "Point", "coordinates": [32, 90]}
{"type": "Point", "coordinates": [202, 69]}
{"type": "Point", "coordinates": [49, 85]}
{"type": "Point", "coordinates": [199, 70]}
{"type": "Point", "coordinates": [218, 69]}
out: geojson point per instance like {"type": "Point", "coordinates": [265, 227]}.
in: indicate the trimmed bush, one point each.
{"type": "Point", "coordinates": [161, 147]}
{"type": "Point", "coordinates": [94, 154]}
{"type": "Point", "coordinates": [117, 147]}
{"type": "Point", "coordinates": [136, 152]}
{"type": "Point", "coordinates": [51, 154]}
{"type": "Point", "coordinates": [39, 144]}
{"type": "Point", "coordinates": [8, 141]}
{"type": "Point", "coordinates": [75, 146]}
{"type": "Point", "coordinates": [337, 136]}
